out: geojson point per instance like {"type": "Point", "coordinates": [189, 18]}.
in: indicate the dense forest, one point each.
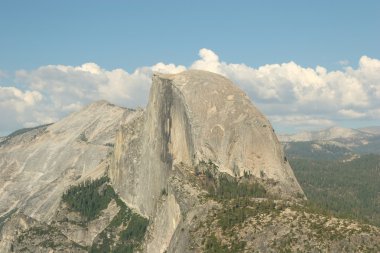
{"type": "Point", "coordinates": [89, 197]}
{"type": "Point", "coordinates": [346, 189]}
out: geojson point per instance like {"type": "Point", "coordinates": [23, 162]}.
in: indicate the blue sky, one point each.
{"type": "Point", "coordinates": [130, 35]}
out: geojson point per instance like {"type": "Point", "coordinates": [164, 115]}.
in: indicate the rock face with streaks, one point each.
{"type": "Point", "coordinates": [196, 116]}
{"type": "Point", "coordinates": [191, 117]}
{"type": "Point", "coordinates": [36, 166]}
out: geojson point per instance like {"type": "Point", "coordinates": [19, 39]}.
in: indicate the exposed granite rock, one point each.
{"type": "Point", "coordinates": [191, 117]}
{"type": "Point", "coordinates": [154, 158]}
{"type": "Point", "coordinates": [12, 227]}
{"type": "Point", "coordinates": [22, 233]}
{"type": "Point", "coordinates": [76, 228]}
{"type": "Point", "coordinates": [194, 116]}
{"type": "Point", "coordinates": [37, 165]}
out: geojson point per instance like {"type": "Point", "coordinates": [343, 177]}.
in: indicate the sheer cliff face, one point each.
{"type": "Point", "coordinates": [195, 116]}
{"type": "Point", "coordinates": [154, 158]}
{"type": "Point", "coordinates": [147, 147]}
{"type": "Point", "coordinates": [38, 165]}
{"type": "Point", "coordinates": [226, 128]}
{"type": "Point", "coordinates": [191, 117]}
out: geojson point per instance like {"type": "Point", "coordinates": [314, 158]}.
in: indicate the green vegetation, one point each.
{"type": "Point", "coordinates": [222, 186]}
{"type": "Point", "coordinates": [231, 219]}
{"type": "Point", "coordinates": [46, 237]}
{"type": "Point", "coordinates": [37, 231]}
{"type": "Point", "coordinates": [213, 245]}
{"type": "Point", "coordinates": [89, 197]}
{"type": "Point", "coordinates": [346, 189]}
{"type": "Point", "coordinates": [136, 229]}
{"type": "Point", "coordinates": [124, 234]}
{"type": "Point", "coordinates": [372, 147]}
{"type": "Point", "coordinates": [230, 188]}
{"type": "Point", "coordinates": [235, 194]}
{"type": "Point", "coordinates": [164, 192]}
{"type": "Point", "coordinates": [127, 229]}
{"type": "Point", "coordinates": [83, 137]}
{"type": "Point", "coordinates": [237, 211]}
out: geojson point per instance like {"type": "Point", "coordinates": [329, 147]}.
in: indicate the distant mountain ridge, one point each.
{"type": "Point", "coordinates": [332, 143]}
{"type": "Point", "coordinates": [331, 133]}
{"type": "Point", "coordinates": [372, 130]}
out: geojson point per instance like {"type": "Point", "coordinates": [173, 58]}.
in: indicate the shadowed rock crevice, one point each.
{"type": "Point", "coordinates": [191, 117]}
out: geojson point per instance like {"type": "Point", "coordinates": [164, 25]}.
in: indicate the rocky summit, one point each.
{"type": "Point", "coordinates": [199, 170]}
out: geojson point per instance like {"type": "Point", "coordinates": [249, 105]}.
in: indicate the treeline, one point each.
{"type": "Point", "coordinates": [347, 189]}
{"type": "Point", "coordinates": [230, 188]}
{"type": "Point", "coordinates": [223, 186]}
{"type": "Point", "coordinates": [89, 197]}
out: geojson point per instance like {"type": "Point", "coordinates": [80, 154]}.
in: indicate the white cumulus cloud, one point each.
{"type": "Point", "coordinates": [291, 90]}
{"type": "Point", "coordinates": [56, 90]}
{"type": "Point", "coordinates": [16, 108]}
{"type": "Point", "coordinates": [289, 94]}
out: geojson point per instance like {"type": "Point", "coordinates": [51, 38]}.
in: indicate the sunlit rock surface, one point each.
{"type": "Point", "coordinates": [38, 165]}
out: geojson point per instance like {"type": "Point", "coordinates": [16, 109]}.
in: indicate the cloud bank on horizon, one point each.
{"type": "Point", "coordinates": [292, 96]}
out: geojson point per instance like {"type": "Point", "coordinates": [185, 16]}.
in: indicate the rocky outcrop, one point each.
{"type": "Point", "coordinates": [24, 234]}
{"type": "Point", "coordinates": [13, 226]}
{"type": "Point", "coordinates": [78, 229]}
{"type": "Point", "coordinates": [196, 116]}
{"type": "Point", "coordinates": [37, 165]}
{"type": "Point", "coordinates": [191, 117]}
{"type": "Point", "coordinates": [224, 126]}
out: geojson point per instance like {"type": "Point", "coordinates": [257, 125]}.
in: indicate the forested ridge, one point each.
{"type": "Point", "coordinates": [348, 189]}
